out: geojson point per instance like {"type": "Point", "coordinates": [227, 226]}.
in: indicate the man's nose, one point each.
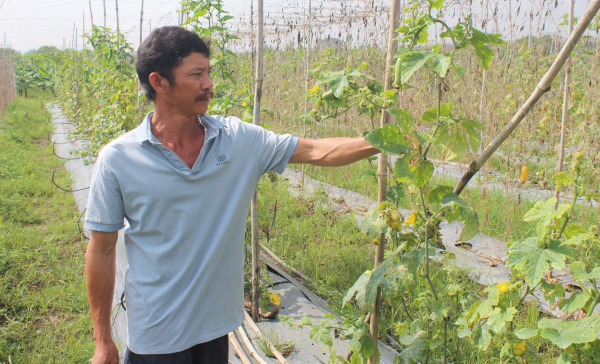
{"type": "Point", "coordinates": [207, 84]}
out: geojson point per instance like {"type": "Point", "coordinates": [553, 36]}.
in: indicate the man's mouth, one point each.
{"type": "Point", "coordinates": [205, 98]}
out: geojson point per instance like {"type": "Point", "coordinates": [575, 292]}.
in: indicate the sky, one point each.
{"type": "Point", "coordinates": [29, 24]}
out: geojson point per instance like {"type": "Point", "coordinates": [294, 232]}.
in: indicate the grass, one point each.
{"type": "Point", "coordinates": [44, 315]}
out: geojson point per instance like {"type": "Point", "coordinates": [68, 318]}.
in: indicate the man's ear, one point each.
{"type": "Point", "coordinates": [159, 83]}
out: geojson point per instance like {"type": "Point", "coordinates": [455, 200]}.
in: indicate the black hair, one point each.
{"type": "Point", "coordinates": [163, 50]}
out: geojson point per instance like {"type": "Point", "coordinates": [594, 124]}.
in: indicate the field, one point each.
{"type": "Point", "coordinates": [448, 101]}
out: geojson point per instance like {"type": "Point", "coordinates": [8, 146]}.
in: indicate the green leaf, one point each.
{"type": "Point", "coordinates": [374, 223]}
{"type": "Point", "coordinates": [566, 333]}
{"type": "Point", "coordinates": [403, 118]}
{"type": "Point", "coordinates": [415, 333]}
{"type": "Point", "coordinates": [322, 333]}
{"type": "Point", "coordinates": [578, 239]}
{"type": "Point", "coordinates": [533, 261]}
{"type": "Point", "coordinates": [441, 63]}
{"type": "Point", "coordinates": [573, 229]}
{"type": "Point", "coordinates": [368, 173]}
{"type": "Point", "coordinates": [471, 227]}
{"type": "Point", "coordinates": [543, 211]}
{"type": "Point", "coordinates": [395, 193]}
{"type": "Point", "coordinates": [452, 200]}
{"type": "Point", "coordinates": [402, 170]}
{"type": "Point", "coordinates": [389, 140]}
{"type": "Point", "coordinates": [413, 353]}
{"type": "Point", "coordinates": [552, 291]}
{"type": "Point", "coordinates": [497, 320]}
{"type": "Point", "coordinates": [484, 53]}
{"type": "Point", "coordinates": [413, 61]}
{"type": "Point", "coordinates": [423, 172]}
{"type": "Point", "coordinates": [437, 4]}
{"type": "Point", "coordinates": [430, 115]}
{"type": "Point", "coordinates": [435, 196]}
{"type": "Point", "coordinates": [575, 302]}
{"type": "Point", "coordinates": [357, 290]}
{"type": "Point", "coordinates": [578, 271]}
{"type": "Point", "coordinates": [481, 336]}
{"type": "Point", "coordinates": [525, 333]}
{"type": "Point", "coordinates": [470, 127]}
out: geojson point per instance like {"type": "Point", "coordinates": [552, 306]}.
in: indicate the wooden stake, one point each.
{"type": "Point", "coordinates": [382, 172]}
{"type": "Point", "coordinates": [141, 38]}
{"type": "Point", "coordinates": [254, 203]}
{"type": "Point", "coordinates": [543, 87]}
{"type": "Point", "coordinates": [307, 80]}
{"type": "Point", "coordinates": [117, 9]}
{"type": "Point", "coordinates": [91, 14]}
{"type": "Point", "coordinates": [238, 349]}
{"type": "Point", "coordinates": [249, 346]}
{"type": "Point", "coordinates": [565, 110]}
{"type": "Point", "coordinates": [257, 332]}
{"type": "Point", "coordinates": [104, 3]}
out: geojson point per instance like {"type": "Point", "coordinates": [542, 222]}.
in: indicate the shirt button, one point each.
{"type": "Point", "coordinates": [169, 154]}
{"type": "Point", "coordinates": [181, 165]}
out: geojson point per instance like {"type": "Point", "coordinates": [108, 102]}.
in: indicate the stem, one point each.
{"type": "Point", "coordinates": [437, 125]}
{"type": "Point", "coordinates": [427, 246]}
{"type": "Point", "coordinates": [594, 303]}
{"type": "Point", "coordinates": [564, 225]}
{"type": "Point", "coordinates": [445, 342]}
{"type": "Point", "coordinates": [447, 28]}
{"type": "Point", "coordinates": [406, 309]}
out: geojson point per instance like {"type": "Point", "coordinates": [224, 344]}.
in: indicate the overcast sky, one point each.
{"type": "Point", "coordinates": [33, 23]}
{"type": "Point", "coordinates": [29, 24]}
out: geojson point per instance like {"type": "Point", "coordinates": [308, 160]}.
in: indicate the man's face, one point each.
{"type": "Point", "coordinates": [192, 88]}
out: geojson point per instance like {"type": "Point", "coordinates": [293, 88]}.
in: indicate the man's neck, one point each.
{"type": "Point", "coordinates": [172, 127]}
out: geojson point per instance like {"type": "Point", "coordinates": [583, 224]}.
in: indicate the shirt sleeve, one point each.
{"type": "Point", "coordinates": [105, 208]}
{"type": "Point", "coordinates": [273, 151]}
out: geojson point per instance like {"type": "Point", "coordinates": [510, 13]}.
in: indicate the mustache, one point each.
{"type": "Point", "coordinates": [208, 95]}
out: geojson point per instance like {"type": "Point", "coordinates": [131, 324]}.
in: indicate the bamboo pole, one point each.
{"type": "Point", "coordinates": [91, 14]}
{"type": "Point", "coordinates": [307, 81]}
{"type": "Point", "coordinates": [565, 109]}
{"type": "Point", "coordinates": [254, 203]}
{"type": "Point", "coordinates": [543, 87]}
{"type": "Point", "coordinates": [238, 349]}
{"type": "Point", "coordinates": [117, 9]}
{"type": "Point", "coordinates": [382, 171]}
{"type": "Point", "coordinates": [257, 332]}
{"type": "Point", "coordinates": [249, 346]}
{"type": "Point", "coordinates": [104, 3]}
{"type": "Point", "coordinates": [141, 38]}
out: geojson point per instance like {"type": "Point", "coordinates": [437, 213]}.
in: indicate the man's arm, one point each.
{"type": "Point", "coordinates": [100, 268]}
{"type": "Point", "coordinates": [332, 152]}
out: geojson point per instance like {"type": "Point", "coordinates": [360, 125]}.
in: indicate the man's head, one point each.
{"type": "Point", "coordinates": [173, 64]}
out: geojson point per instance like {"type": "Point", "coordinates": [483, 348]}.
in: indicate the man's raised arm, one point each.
{"type": "Point", "coordinates": [100, 268]}
{"type": "Point", "coordinates": [332, 152]}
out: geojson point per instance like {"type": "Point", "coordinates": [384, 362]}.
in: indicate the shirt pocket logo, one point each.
{"type": "Point", "coordinates": [222, 160]}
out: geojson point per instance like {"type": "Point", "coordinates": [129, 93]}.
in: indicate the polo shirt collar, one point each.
{"type": "Point", "coordinates": [143, 132]}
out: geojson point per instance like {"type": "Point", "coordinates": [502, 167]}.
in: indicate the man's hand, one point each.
{"type": "Point", "coordinates": [332, 152]}
{"type": "Point", "coordinates": [100, 268]}
{"type": "Point", "coordinates": [106, 353]}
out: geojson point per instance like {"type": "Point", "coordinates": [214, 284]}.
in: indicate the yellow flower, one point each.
{"type": "Point", "coordinates": [519, 348]}
{"type": "Point", "coordinates": [411, 219]}
{"type": "Point", "coordinates": [502, 287]}
{"type": "Point", "coordinates": [524, 174]}
{"type": "Point", "coordinates": [274, 298]}
{"type": "Point", "coordinates": [244, 104]}
{"type": "Point", "coordinates": [315, 88]}
{"type": "Point", "coordinates": [369, 272]}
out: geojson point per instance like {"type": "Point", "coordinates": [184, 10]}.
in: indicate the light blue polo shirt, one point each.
{"type": "Point", "coordinates": [184, 284]}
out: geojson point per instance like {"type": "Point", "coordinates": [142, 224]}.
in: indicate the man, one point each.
{"type": "Point", "coordinates": [183, 180]}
